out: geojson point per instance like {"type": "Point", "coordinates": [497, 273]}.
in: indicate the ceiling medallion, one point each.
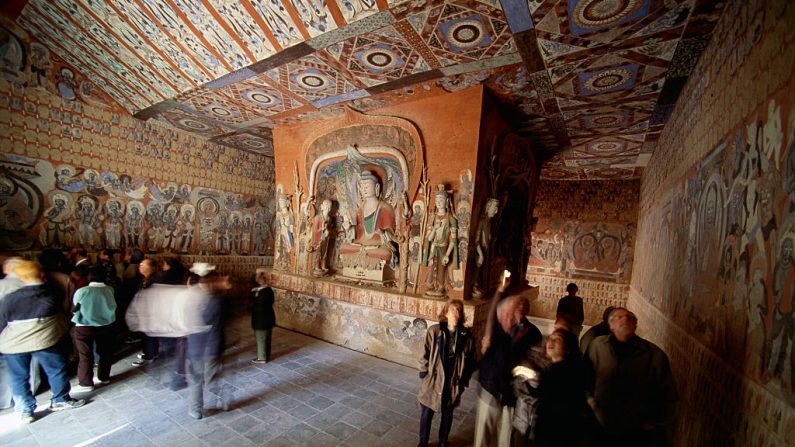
{"type": "Point", "coordinates": [379, 59]}
{"type": "Point", "coordinates": [601, 13]}
{"type": "Point", "coordinates": [466, 33]}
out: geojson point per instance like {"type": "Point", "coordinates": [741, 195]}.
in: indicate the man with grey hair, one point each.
{"type": "Point", "coordinates": [508, 338]}
{"type": "Point", "coordinates": [630, 385]}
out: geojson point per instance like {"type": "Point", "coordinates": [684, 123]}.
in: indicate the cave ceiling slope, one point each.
{"type": "Point", "coordinates": [591, 82]}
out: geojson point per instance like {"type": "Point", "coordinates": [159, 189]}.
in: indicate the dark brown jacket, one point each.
{"type": "Point", "coordinates": [432, 367]}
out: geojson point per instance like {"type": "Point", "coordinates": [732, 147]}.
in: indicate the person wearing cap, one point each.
{"type": "Point", "coordinates": [33, 325]}
{"type": "Point", "coordinates": [205, 348]}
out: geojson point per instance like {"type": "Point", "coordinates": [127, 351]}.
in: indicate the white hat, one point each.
{"type": "Point", "coordinates": [201, 268]}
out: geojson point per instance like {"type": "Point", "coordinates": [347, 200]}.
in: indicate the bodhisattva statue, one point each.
{"type": "Point", "coordinates": [371, 250]}
{"type": "Point", "coordinates": [482, 241]}
{"type": "Point", "coordinates": [441, 251]}
{"type": "Point", "coordinates": [321, 230]}
{"type": "Point", "coordinates": [284, 239]}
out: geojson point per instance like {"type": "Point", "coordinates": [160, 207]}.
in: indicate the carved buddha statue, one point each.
{"type": "Point", "coordinates": [372, 247]}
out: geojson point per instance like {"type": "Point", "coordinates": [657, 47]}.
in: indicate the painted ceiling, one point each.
{"type": "Point", "coordinates": [592, 82]}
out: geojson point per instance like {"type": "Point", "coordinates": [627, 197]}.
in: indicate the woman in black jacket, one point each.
{"type": "Point", "coordinates": [263, 319]}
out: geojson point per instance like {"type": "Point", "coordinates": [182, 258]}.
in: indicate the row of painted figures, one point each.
{"type": "Point", "coordinates": [170, 228]}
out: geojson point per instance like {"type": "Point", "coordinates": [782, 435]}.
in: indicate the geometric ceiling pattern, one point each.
{"type": "Point", "coordinates": [592, 82]}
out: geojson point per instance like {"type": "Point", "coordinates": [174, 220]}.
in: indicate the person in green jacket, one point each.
{"type": "Point", "coordinates": [94, 314]}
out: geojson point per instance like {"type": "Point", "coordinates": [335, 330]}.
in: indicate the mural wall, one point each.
{"type": "Point", "coordinates": [585, 234]}
{"type": "Point", "coordinates": [717, 216]}
{"type": "Point", "coordinates": [77, 171]}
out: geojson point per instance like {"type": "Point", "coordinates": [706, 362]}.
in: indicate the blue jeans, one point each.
{"type": "Point", "coordinates": [53, 361]}
{"type": "Point", "coordinates": [5, 382]}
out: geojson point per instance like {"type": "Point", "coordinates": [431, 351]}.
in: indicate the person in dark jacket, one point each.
{"type": "Point", "coordinates": [629, 384]}
{"type": "Point", "coordinates": [33, 325]}
{"type": "Point", "coordinates": [263, 319]}
{"type": "Point", "coordinates": [508, 338]}
{"type": "Point", "coordinates": [445, 367]}
{"type": "Point", "coordinates": [557, 409]}
{"type": "Point", "coordinates": [570, 309]}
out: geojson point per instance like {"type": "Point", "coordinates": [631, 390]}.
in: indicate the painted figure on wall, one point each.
{"type": "Point", "coordinates": [114, 224]}
{"type": "Point", "coordinates": [56, 230]}
{"type": "Point", "coordinates": [134, 223]}
{"type": "Point", "coordinates": [245, 242]}
{"type": "Point", "coordinates": [441, 251]}
{"type": "Point", "coordinates": [374, 228]}
{"type": "Point", "coordinates": [186, 227]}
{"type": "Point", "coordinates": [285, 234]}
{"type": "Point", "coordinates": [39, 65]}
{"type": "Point", "coordinates": [208, 207]}
{"type": "Point", "coordinates": [321, 233]}
{"type": "Point", "coordinates": [482, 244]}
{"type": "Point", "coordinates": [222, 233]}
{"type": "Point", "coordinates": [88, 222]}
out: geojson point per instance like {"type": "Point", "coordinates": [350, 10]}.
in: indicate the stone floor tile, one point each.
{"type": "Point", "coordinates": [311, 394]}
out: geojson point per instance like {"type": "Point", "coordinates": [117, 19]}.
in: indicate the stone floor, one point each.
{"type": "Point", "coordinates": [311, 394]}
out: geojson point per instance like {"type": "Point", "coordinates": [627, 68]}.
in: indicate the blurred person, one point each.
{"type": "Point", "coordinates": [10, 282]}
{"type": "Point", "coordinates": [106, 258]}
{"type": "Point", "coordinates": [149, 275]}
{"type": "Point", "coordinates": [94, 314]}
{"type": "Point", "coordinates": [205, 348]}
{"type": "Point", "coordinates": [508, 338]}
{"type": "Point", "coordinates": [172, 272]}
{"type": "Point", "coordinates": [603, 328]}
{"type": "Point", "coordinates": [445, 367]}
{"type": "Point", "coordinates": [130, 283]}
{"type": "Point", "coordinates": [263, 319]}
{"type": "Point", "coordinates": [53, 263]}
{"type": "Point", "coordinates": [629, 384]}
{"type": "Point", "coordinates": [7, 285]}
{"type": "Point", "coordinates": [551, 408]}
{"type": "Point", "coordinates": [33, 325]}
{"type": "Point", "coordinates": [570, 309]}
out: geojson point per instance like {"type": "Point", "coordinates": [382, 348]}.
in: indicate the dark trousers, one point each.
{"type": "Point", "coordinates": [151, 347]}
{"type": "Point", "coordinates": [52, 360]}
{"type": "Point", "coordinates": [180, 351]}
{"type": "Point", "coordinates": [426, 418]}
{"type": "Point", "coordinates": [85, 337]}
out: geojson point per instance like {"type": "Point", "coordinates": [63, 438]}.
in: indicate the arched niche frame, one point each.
{"type": "Point", "coordinates": [372, 135]}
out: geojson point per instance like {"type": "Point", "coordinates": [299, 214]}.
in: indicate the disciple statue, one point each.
{"type": "Point", "coordinates": [482, 241]}
{"type": "Point", "coordinates": [284, 238]}
{"type": "Point", "coordinates": [441, 251]}
{"type": "Point", "coordinates": [321, 230]}
{"type": "Point", "coordinates": [372, 247]}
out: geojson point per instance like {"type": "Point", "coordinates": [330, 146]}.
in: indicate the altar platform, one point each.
{"type": "Point", "coordinates": [373, 320]}
{"type": "Point", "coordinates": [369, 319]}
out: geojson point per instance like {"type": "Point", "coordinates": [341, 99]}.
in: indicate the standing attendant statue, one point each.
{"type": "Point", "coordinates": [321, 230]}
{"type": "Point", "coordinates": [284, 240]}
{"type": "Point", "coordinates": [441, 251]}
{"type": "Point", "coordinates": [482, 242]}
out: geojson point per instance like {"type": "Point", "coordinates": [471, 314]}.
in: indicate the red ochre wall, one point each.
{"type": "Point", "coordinates": [449, 126]}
